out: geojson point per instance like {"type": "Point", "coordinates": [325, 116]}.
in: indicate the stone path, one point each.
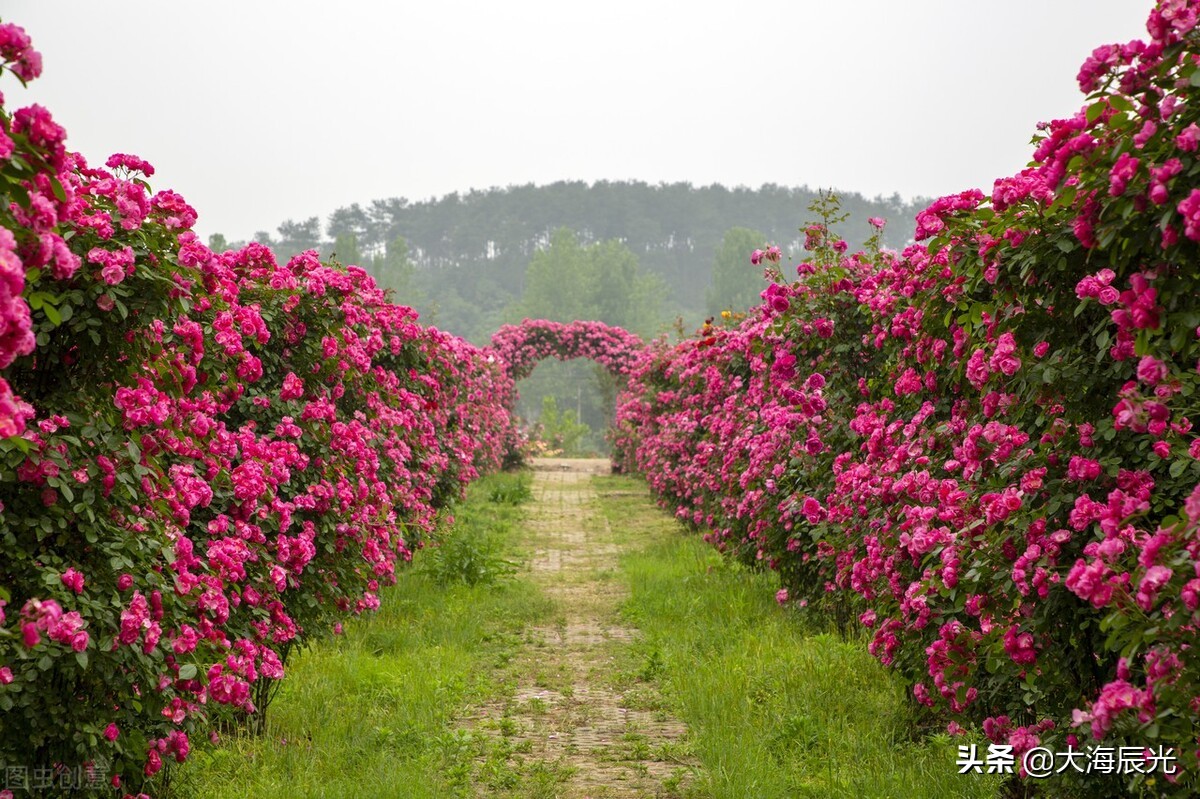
{"type": "Point", "coordinates": [575, 706]}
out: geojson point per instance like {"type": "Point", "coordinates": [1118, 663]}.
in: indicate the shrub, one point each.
{"type": "Point", "coordinates": [207, 458]}
{"type": "Point", "coordinates": [981, 446]}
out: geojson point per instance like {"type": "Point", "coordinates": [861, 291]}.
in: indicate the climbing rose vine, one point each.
{"type": "Point", "coordinates": [521, 347]}
{"type": "Point", "coordinates": [982, 447]}
{"type": "Point", "coordinates": [206, 459]}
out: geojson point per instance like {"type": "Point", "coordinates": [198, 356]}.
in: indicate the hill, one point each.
{"type": "Point", "coordinates": [463, 257]}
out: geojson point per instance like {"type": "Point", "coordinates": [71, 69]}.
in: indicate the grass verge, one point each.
{"type": "Point", "coordinates": [372, 713]}
{"type": "Point", "coordinates": [774, 708]}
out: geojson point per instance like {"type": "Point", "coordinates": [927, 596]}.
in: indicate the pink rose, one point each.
{"type": "Point", "coordinates": [73, 579]}
{"type": "Point", "coordinates": [1151, 371]}
{"type": "Point", "coordinates": [112, 274]}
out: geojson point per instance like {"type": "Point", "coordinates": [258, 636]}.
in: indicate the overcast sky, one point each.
{"type": "Point", "coordinates": [259, 111]}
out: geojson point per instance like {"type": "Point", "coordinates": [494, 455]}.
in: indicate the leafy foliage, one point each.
{"type": "Point", "coordinates": [206, 460]}
{"type": "Point", "coordinates": [982, 446]}
{"type": "Point", "coordinates": [736, 285]}
{"type": "Point", "coordinates": [561, 433]}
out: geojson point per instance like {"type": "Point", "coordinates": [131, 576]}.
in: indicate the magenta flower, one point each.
{"type": "Point", "coordinates": [73, 579]}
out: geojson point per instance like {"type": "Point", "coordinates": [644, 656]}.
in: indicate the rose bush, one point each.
{"type": "Point", "coordinates": [206, 459]}
{"type": "Point", "coordinates": [983, 446]}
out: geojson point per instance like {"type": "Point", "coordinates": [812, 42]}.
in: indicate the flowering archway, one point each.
{"type": "Point", "coordinates": [521, 347]}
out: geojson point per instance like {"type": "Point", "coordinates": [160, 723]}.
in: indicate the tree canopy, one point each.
{"type": "Point", "coordinates": [470, 251]}
{"type": "Point", "coordinates": [736, 283]}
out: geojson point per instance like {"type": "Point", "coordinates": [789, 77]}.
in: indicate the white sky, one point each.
{"type": "Point", "coordinates": [262, 110]}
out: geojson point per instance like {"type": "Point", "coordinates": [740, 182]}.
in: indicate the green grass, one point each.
{"type": "Point", "coordinates": [373, 713]}
{"type": "Point", "coordinates": [775, 709]}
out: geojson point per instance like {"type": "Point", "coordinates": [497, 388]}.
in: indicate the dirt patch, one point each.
{"type": "Point", "coordinates": [570, 707]}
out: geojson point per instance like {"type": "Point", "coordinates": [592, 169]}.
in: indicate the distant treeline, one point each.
{"type": "Point", "coordinates": [461, 259]}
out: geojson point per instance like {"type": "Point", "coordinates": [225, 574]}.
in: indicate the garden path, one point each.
{"type": "Point", "coordinates": [576, 706]}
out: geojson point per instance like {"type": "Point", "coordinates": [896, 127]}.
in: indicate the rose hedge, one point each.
{"type": "Point", "coordinates": [982, 446]}
{"type": "Point", "coordinates": [206, 458]}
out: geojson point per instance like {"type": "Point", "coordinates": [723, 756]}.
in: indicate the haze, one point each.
{"type": "Point", "coordinates": [260, 112]}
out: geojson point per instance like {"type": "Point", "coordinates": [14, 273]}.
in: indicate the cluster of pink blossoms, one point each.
{"type": "Point", "coordinates": [209, 458]}
{"type": "Point", "coordinates": [521, 347]}
{"type": "Point", "coordinates": [999, 474]}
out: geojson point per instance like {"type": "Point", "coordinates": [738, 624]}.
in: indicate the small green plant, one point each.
{"type": "Point", "coordinates": [653, 666]}
{"type": "Point", "coordinates": [511, 489]}
{"type": "Point", "coordinates": [469, 554]}
{"type": "Point", "coordinates": [562, 431]}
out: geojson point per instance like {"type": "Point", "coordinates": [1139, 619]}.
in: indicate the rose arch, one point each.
{"type": "Point", "coordinates": [521, 347]}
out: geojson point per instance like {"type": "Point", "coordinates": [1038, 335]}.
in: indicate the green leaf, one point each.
{"type": "Point", "coordinates": [52, 315]}
{"type": "Point", "coordinates": [82, 659]}
{"type": "Point", "coordinates": [1195, 79]}
{"type": "Point", "coordinates": [1120, 103]}
{"type": "Point", "coordinates": [57, 188]}
{"type": "Point", "coordinates": [187, 671]}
